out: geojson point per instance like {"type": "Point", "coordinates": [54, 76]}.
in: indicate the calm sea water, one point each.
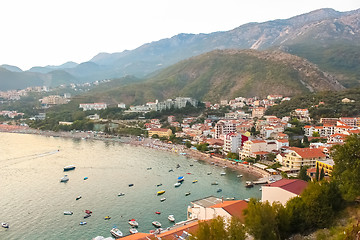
{"type": "Point", "coordinates": [33, 200]}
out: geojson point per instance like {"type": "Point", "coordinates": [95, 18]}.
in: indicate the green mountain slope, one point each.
{"type": "Point", "coordinates": [225, 74]}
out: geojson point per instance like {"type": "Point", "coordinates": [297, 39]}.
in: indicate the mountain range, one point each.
{"type": "Point", "coordinates": [325, 37]}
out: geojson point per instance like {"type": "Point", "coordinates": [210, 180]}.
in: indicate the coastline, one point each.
{"type": "Point", "coordinates": [146, 142]}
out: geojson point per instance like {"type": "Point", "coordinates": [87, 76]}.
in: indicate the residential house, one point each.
{"type": "Point", "coordinates": [298, 157]}
{"type": "Point", "coordinates": [233, 141]}
{"type": "Point", "coordinates": [161, 132]}
{"type": "Point", "coordinates": [223, 127]}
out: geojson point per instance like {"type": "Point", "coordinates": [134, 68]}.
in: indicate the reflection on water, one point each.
{"type": "Point", "coordinates": [33, 200]}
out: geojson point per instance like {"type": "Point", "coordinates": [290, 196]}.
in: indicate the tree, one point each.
{"type": "Point", "coordinates": [260, 220]}
{"type": "Point", "coordinates": [322, 174]}
{"type": "Point", "coordinates": [316, 134]}
{"type": "Point", "coordinates": [302, 173]}
{"type": "Point", "coordinates": [188, 144]}
{"type": "Point", "coordinates": [212, 230]}
{"type": "Point", "coordinates": [347, 166]}
{"type": "Point", "coordinates": [236, 230]}
{"type": "Point", "coordinates": [317, 174]}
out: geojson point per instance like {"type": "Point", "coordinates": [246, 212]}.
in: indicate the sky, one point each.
{"type": "Point", "coordinates": [52, 32]}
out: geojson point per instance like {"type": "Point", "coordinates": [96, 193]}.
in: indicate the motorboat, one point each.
{"type": "Point", "coordinates": [158, 185]}
{"type": "Point", "coordinates": [158, 213]}
{"type": "Point", "coordinates": [88, 211]}
{"type": "Point", "coordinates": [187, 193]}
{"type": "Point", "coordinates": [68, 213]}
{"type": "Point", "coordinates": [230, 198]}
{"type": "Point", "coordinates": [209, 173]}
{"type": "Point", "coordinates": [189, 173]}
{"type": "Point", "coordinates": [121, 194]}
{"type": "Point", "coordinates": [5, 225]}
{"type": "Point", "coordinates": [214, 183]}
{"type": "Point", "coordinates": [249, 184]}
{"type": "Point", "coordinates": [107, 218]}
{"type": "Point", "coordinates": [240, 175]}
{"type": "Point", "coordinates": [68, 168]}
{"type": "Point", "coordinates": [83, 223]}
{"type": "Point", "coordinates": [85, 178]}
{"type": "Point", "coordinates": [171, 170]}
{"type": "Point", "coordinates": [131, 184]}
{"type": "Point", "coordinates": [78, 197]}
{"type": "Point", "coordinates": [149, 168]}
{"type": "Point", "coordinates": [64, 179]}
{"type": "Point", "coordinates": [163, 199]}
{"type": "Point", "coordinates": [181, 179]}
{"type": "Point", "coordinates": [87, 215]}
{"type": "Point", "coordinates": [195, 181]}
{"type": "Point", "coordinates": [219, 190]}
{"type": "Point", "coordinates": [116, 232]}
{"type": "Point", "coordinates": [223, 174]}
{"type": "Point", "coordinates": [133, 223]}
{"type": "Point", "coordinates": [156, 224]}
{"type": "Point", "coordinates": [133, 230]}
{"type": "Point", "coordinates": [171, 218]}
{"type": "Point", "coordinates": [161, 192]}
{"type": "Point", "coordinates": [178, 165]}
{"type": "Point", "coordinates": [177, 184]}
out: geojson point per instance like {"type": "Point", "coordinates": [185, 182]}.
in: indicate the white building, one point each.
{"type": "Point", "coordinates": [224, 127]}
{"type": "Point", "coordinates": [92, 106]}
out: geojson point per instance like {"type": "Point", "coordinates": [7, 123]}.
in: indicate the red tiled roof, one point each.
{"type": "Point", "coordinates": [257, 141]}
{"type": "Point", "coordinates": [308, 152]}
{"type": "Point", "coordinates": [296, 186]}
{"type": "Point", "coordinates": [283, 140]}
{"type": "Point", "coordinates": [234, 208]}
{"type": "Point", "coordinates": [136, 236]}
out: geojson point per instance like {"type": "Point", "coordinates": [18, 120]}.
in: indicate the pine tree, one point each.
{"type": "Point", "coordinates": [317, 172]}
{"type": "Point", "coordinates": [322, 174]}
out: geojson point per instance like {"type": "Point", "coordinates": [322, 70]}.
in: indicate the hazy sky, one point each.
{"type": "Point", "coordinates": [52, 32]}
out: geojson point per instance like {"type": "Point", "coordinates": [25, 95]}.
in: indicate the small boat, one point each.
{"type": "Point", "coordinates": [171, 170]}
{"type": "Point", "coordinates": [131, 184]}
{"type": "Point", "coordinates": [191, 165]}
{"type": "Point", "coordinates": [249, 184]}
{"type": "Point", "coordinates": [214, 183]}
{"type": "Point", "coordinates": [88, 211]}
{"type": "Point", "coordinates": [121, 194]}
{"type": "Point", "coordinates": [171, 218]}
{"type": "Point", "coordinates": [240, 175]}
{"type": "Point", "coordinates": [87, 215]}
{"type": "Point", "coordinates": [156, 224]}
{"type": "Point", "coordinates": [260, 189]}
{"type": "Point", "coordinates": [64, 179]}
{"type": "Point", "coordinates": [158, 213]}
{"type": "Point", "coordinates": [68, 168]}
{"type": "Point", "coordinates": [83, 223]}
{"type": "Point", "coordinates": [195, 181]}
{"type": "Point", "coordinates": [163, 199]}
{"type": "Point", "coordinates": [133, 230]}
{"type": "Point", "coordinates": [133, 223]}
{"type": "Point", "coordinates": [149, 168]}
{"type": "Point", "coordinates": [5, 225]}
{"type": "Point", "coordinates": [116, 232]}
{"type": "Point", "coordinates": [107, 218]}
{"type": "Point", "coordinates": [178, 165]}
{"type": "Point", "coordinates": [85, 178]}
{"type": "Point", "coordinates": [222, 174]}
{"type": "Point", "coordinates": [224, 166]}
{"type": "Point", "coordinates": [181, 179]}
{"type": "Point", "coordinates": [68, 213]}
{"type": "Point", "coordinates": [78, 197]}
{"type": "Point", "coordinates": [161, 192]}
{"type": "Point", "coordinates": [188, 173]}
{"type": "Point", "coordinates": [230, 198]}
{"type": "Point", "coordinates": [178, 184]}
{"type": "Point", "coordinates": [158, 185]}
{"type": "Point", "coordinates": [209, 173]}
{"type": "Point", "coordinates": [187, 193]}
{"type": "Point", "coordinates": [219, 190]}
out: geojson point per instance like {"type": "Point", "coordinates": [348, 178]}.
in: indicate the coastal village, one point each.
{"type": "Point", "coordinates": [246, 140]}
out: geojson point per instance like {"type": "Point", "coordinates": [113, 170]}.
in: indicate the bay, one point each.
{"type": "Point", "coordinates": [33, 200]}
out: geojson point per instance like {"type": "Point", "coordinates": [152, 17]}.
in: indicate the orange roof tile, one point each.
{"type": "Point", "coordinates": [308, 152]}
{"type": "Point", "coordinates": [296, 186]}
{"type": "Point", "coordinates": [234, 208]}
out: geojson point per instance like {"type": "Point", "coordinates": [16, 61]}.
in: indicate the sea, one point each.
{"type": "Point", "coordinates": [33, 200]}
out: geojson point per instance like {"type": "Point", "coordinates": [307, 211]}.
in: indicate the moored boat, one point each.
{"type": "Point", "coordinates": [160, 192]}
{"type": "Point", "coordinates": [133, 223]}
{"type": "Point", "coordinates": [223, 174]}
{"type": "Point", "coordinates": [195, 181]}
{"type": "Point", "coordinates": [85, 178]}
{"type": "Point", "coordinates": [88, 211]}
{"type": "Point", "coordinates": [133, 230]}
{"type": "Point", "coordinates": [163, 199]}
{"type": "Point", "coordinates": [131, 184]}
{"type": "Point", "coordinates": [219, 190]}
{"type": "Point", "coordinates": [177, 184]}
{"type": "Point", "coordinates": [158, 212]}
{"type": "Point", "coordinates": [107, 218]}
{"type": "Point", "coordinates": [158, 185]}
{"type": "Point", "coordinates": [214, 183]}
{"type": "Point", "coordinates": [78, 197]}
{"type": "Point", "coordinates": [87, 215]}
{"type": "Point", "coordinates": [240, 175]}
{"type": "Point", "coordinates": [68, 168]}
{"type": "Point", "coordinates": [83, 223]}
{"type": "Point", "coordinates": [64, 179]}
{"type": "Point", "coordinates": [180, 179]}
{"type": "Point", "coordinates": [171, 218]}
{"type": "Point", "coordinates": [121, 194]}
{"type": "Point", "coordinates": [209, 173]}
{"type": "Point", "coordinates": [5, 225]}
{"type": "Point", "coordinates": [116, 232]}
{"type": "Point", "coordinates": [249, 184]}
{"type": "Point", "coordinates": [156, 224]}
{"type": "Point", "coordinates": [187, 193]}
{"type": "Point", "coordinates": [68, 213]}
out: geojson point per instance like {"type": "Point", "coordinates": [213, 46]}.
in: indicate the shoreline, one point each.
{"type": "Point", "coordinates": [147, 143]}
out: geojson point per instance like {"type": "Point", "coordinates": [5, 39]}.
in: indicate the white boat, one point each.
{"type": "Point", "coordinates": [5, 225]}
{"type": "Point", "coordinates": [68, 213]}
{"type": "Point", "coordinates": [156, 224]}
{"type": "Point", "coordinates": [116, 232]}
{"type": "Point", "coordinates": [64, 179]}
{"type": "Point", "coordinates": [214, 183]}
{"type": "Point", "coordinates": [121, 194]}
{"type": "Point", "coordinates": [171, 218]}
{"type": "Point", "coordinates": [249, 184]}
{"type": "Point", "coordinates": [177, 184]}
{"type": "Point", "coordinates": [240, 175]}
{"type": "Point", "coordinates": [133, 223]}
{"type": "Point", "coordinates": [163, 199]}
{"type": "Point", "coordinates": [187, 193]}
{"type": "Point", "coordinates": [83, 223]}
{"type": "Point", "coordinates": [133, 230]}
{"type": "Point", "coordinates": [68, 168]}
{"type": "Point", "coordinates": [222, 174]}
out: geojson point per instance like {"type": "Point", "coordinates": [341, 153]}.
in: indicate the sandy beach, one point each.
{"type": "Point", "coordinates": [143, 142]}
